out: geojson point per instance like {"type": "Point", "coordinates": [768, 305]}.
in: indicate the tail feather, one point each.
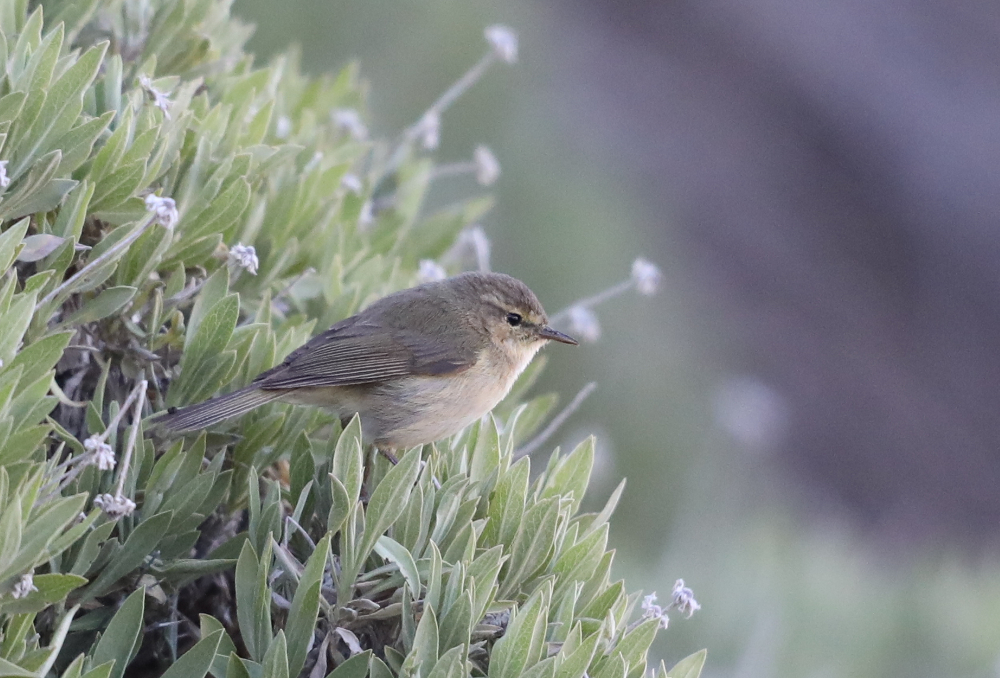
{"type": "Point", "coordinates": [209, 412]}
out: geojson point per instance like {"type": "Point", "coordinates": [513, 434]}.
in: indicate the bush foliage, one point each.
{"type": "Point", "coordinates": [276, 545]}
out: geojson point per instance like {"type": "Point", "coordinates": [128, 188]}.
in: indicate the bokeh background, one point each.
{"type": "Point", "coordinates": [808, 414]}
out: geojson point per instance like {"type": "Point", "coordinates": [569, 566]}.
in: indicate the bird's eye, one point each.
{"type": "Point", "coordinates": [514, 319]}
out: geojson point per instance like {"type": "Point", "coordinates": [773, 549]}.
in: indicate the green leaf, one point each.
{"type": "Point", "coordinates": [302, 616]}
{"type": "Point", "coordinates": [533, 544]}
{"type": "Point", "coordinates": [119, 641]}
{"type": "Point", "coordinates": [52, 588]}
{"type": "Point", "coordinates": [393, 551]}
{"type": "Point", "coordinates": [62, 107]}
{"type": "Point", "coordinates": [195, 662]}
{"type": "Point", "coordinates": [522, 642]}
{"type": "Point", "coordinates": [450, 665]}
{"type": "Point", "coordinates": [39, 246]}
{"type": "Point", "coordinates": [634, 646]}
{"type": "Point", "coordinates": [690, 666]}
{"type": "Point", "coordinates": [486, 454]}
{"type": "Point", "coordinates": [348, 460]}
{"type": "Point", "coordinates": [12, 670]}
{"type": "Point", "coordinates": [275, 662]}
{"type": "Point", "coordinates": [10, 242]}
{"type": "Point", "coordinates": [388, 500]}
{"type": "Point", "coordinates": [575, 664]}
{"type": "Point", "coordinates": [139, 544]}
{"type": "Point", "coordinates": [105, 304]}
{"type": "Point", "coordinates": [572, 474]}
{"type": "Point", "coordinates": [355, 667]}
{"type": "Point", "coordinates": [425, 644]}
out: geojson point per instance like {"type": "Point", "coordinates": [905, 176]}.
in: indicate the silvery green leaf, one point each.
{"type": "Point", "coordinates": [572, 473]}
{"type": "Point", "coordinates": [357, 667]}
{"type": "Point", "coordinates": [105, 304]}
{"type": "Point", "coordinates": [51, 588]}
{"type": "Point", "coordinates": [348, 459]}
{"type": "Point", "coordinates": [195, 662]}
{"type": "Point", "coordinates": [690, 666]}
{"type": "Point", "coordinates": [73, 212]}
{"type": "Point", "coordinates": [139, 544]}
{"type": "Point", "coordinates": [522, 642]}
{"type": "Point", "coordinates": [395, 552]}
{"type": "Point", "coordinates": [575, 663]}
{"type": "Point", "coordinates": [506, 506]}
{"type": "Point", "coordinates": [275, 661]}
{"type": "Point", "coordinates": [613, 667]}
{"type": "Point", "coordinates": [63, 103]}
{"type": "Point", "coordinates": [78, 142]}
{"type": "Point", "coordinates": [305, 607]}
{"type": "Point", "coordinates": [532, 545]}
{"type": "Point", "coordinates": [39, 246]}
{"type": "Point", "coordinates": [424, 654]}
{"type": "Point", "coordinates": [388, 500]}
{"type": "Point", "coordinates": [634, 646]}
{"type": "Point", "coordinates": [119, 640]}
{"type": "Point", "coordinates": [39, 191]}
{"type": "Point", "coordinates": [10, 243]}
{"type": "Point", "coordinates": [457, 622]}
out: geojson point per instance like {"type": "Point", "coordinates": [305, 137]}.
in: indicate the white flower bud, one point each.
{"type": "Point", "coordinates": [430, 271]}
{"type": "Point", "coordinates": [245, 257]}
{"type": "Point", "coordinates": [504, 42]}
{"type": "Point", "coordinates": [429, 130]}
{"type": "Point", "coordinates": [349, 120]}
{"type": "Point", "coordinates": [4, 179]}
{"type": "Point", "coordinates": [283, 127]}
{"type": "Point", "coordinates": [487, 166]}
{"type": "Point", "coordinates": [584, 323]}
{"type": "Point", "coordinates": [160, 99]}
{"type": "Point", "coordinates": [165, 209]}
{"type": "Point", "coordinates": [646, 276]}
{"type": "Point", "coordinates": [352, 183]}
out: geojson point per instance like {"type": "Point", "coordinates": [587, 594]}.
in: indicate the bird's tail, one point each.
{"type": "Point", "coordinates": [204, 414]}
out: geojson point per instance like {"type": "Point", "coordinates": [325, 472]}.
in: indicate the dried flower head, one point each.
{"type": "Point", "coordinates": [682, 598]}
{"type": "Point", "coordinates": [584, 323]}
{"type": "Point", "coordinates": [430, 271]}
{"type": "Point", "coordinates": [114, 506]}
{"type": "Point", "coordinates": [349, 120]}
{"type": "Point", "coordinates": [101, 453]}
{"type": "Point", "coordinates": [429, 130]}
{"type": "Point", "coordinates": [645, 276]}
{"type": "Point", "coordinates": [165, 210]}
{"type": "Point", "coordinates": [160, 99]}
{"type": "Point", "coordinates": [24, 586]}
{"type": "Point", "coordinates": [650, 610]}
{"type": "Point", "coordinates": [243, 256]}
{"type": "Point", "coordinates": [487, 165]}
{"type": "Point", "coordinates": [503, 39]}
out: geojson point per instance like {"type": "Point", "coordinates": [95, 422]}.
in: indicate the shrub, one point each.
{"type": "Point", "coordinates": [175, 221]}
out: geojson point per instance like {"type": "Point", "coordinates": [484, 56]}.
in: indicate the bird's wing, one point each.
{"type": "Point", "coordinates": [359, 351]}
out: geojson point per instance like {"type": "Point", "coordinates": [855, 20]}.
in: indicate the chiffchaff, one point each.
{"type": "Point", "coordinates": [417, 365]}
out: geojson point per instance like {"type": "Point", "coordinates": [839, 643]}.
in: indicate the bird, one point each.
{"type": "Point", "coordinates": [417, 365]}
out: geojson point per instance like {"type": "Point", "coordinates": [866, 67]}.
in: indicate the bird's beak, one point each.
{"type": "Point", "coordinates": [546, 332]}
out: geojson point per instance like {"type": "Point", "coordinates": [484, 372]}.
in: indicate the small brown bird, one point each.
{"type": "Point", "coordinates": [418, 365]}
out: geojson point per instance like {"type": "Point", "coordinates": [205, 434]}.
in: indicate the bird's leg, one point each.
{"type": "Point", "coordinates": [388, 454]}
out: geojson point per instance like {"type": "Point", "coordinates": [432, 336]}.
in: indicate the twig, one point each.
{"type": "Point", "coordinates": [136, 418]}
{"type": "Point", "coordinates": [557, 421]}
{"type": "Point", "coordinates": [599, 298]}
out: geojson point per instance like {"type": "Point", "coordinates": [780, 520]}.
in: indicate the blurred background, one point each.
{"type": "Point", "coordinates": [808, 413]}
